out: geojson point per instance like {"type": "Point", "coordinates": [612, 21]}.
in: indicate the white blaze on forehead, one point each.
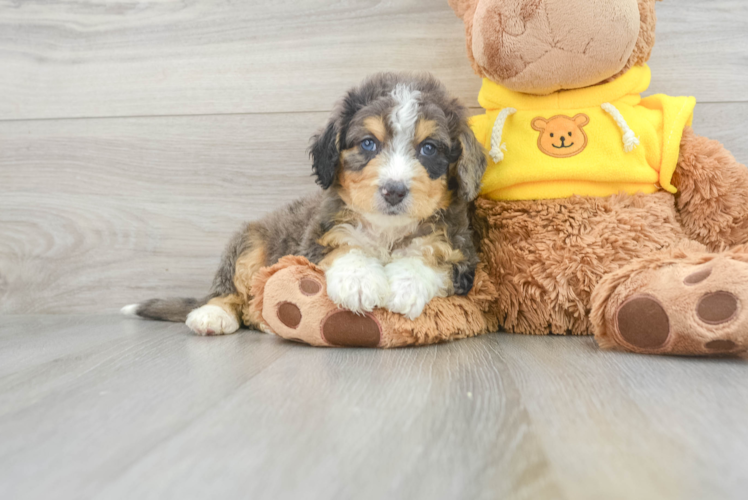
{"type": "Point", "coordinates": [404, 116]}
{"type": "Point", "coordinates": [399, 165]}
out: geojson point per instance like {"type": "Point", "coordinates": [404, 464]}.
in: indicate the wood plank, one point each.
{"type": "Point", "coordinates": [702, 50]}
{"type": "Point", "coordinates": [137, 207]}
{"type": "Point", "coordinates": [118, 408]}
{"type": "Point", "coordinates": [622, 426]}
{"type": "Point", "coordinates": [110, 402]}
{"type": "Point", "coordinates": [96, 214]}
{"type": "Point", "coordinates": [72, 59]}
{"type": "Point", "coordinates": [68, 59]}
{"type": "Point", "coordinates": [154, 412]}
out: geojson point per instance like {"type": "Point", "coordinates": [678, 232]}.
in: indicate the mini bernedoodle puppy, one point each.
{"type": "Point", "coordinates": [398, 166]}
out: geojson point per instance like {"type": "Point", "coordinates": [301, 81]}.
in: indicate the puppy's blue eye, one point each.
{"type": "Point", "coordinates": [428, 149]}
{"type": "Point", "coordinates": [369, 145]}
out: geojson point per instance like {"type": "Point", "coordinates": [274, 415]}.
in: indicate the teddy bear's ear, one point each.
{"type": "Point", "coordinates": [539, 124]}
{"type": "Point", "coordinates": [646, 40]}
{"type": "Point", "coordinates": [462, 6]}
{"type": "Point", "coordinates": [581, 120]}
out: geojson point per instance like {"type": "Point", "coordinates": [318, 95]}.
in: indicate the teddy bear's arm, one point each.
{"type": "Point", "coordinates": [712, 197]}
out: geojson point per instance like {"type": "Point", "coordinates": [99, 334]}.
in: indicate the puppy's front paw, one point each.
{"type": "Point", "coordinates": [357, 282]}
{"type": "Point", "coordinates": [211, 320]}
{"type": "Point", "coordinates": [412, 285]}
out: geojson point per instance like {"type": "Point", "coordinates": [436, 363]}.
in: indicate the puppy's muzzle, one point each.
{"type": "Point", "coordinates": [394, 192]}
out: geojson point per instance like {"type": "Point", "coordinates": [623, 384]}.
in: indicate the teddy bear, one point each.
{"type": "Point", "coordinates": [601, 212]}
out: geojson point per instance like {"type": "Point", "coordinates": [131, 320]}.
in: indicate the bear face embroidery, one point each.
{"type": "Point", "coordinates": [561, 136]}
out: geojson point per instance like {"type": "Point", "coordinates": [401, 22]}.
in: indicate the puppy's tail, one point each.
{"type": "Point", "coordinates": [174, 309]}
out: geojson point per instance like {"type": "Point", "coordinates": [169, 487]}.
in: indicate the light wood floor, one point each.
{"type": "Point", "coordinates": [104, 407]}
{"type": "Point", "coordinates": [135, 137]}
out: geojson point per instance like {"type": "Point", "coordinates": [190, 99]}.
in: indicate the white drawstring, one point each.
{"type": "Point", "coordinates": [497, 148]}
{"type": "Point", "coordinates": [630, 141]}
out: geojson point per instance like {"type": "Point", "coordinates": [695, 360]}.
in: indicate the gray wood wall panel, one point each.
{"type": "Point", "coordinates": [199, 115]}
{"type": "Point", "coordinates": [98, 213]}
{"type": "Point", "coordinates": [136, 206]}
{"type": "Point", "coordinates": [175, 58]}
{"type": "Point", "coordinates": [73, 59]}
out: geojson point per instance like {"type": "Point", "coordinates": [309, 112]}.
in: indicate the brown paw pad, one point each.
{"type": "Point", "coordinates": [289, 314]}
{"type": "Point", "coordinates": [721, 345]}
{"type": "Point", "coordinates": [347, 329]}
{"type": "Point", "coordinates": [643, 322]}
{"type": "Point", "coordinates": [717, 308]}
{"type": "Point", "coordinates": [698, 277]}
{"type": "Point", "coordinates": [309, 287]}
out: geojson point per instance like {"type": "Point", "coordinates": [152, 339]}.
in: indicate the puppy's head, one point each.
{"type": "Point", "coordinates": [399, 145]}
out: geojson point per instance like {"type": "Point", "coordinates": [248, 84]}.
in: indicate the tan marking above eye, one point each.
{"type": "Point", "coordinates": [376, 127]}
{"type": "Point", "coordinates": [424, 129]}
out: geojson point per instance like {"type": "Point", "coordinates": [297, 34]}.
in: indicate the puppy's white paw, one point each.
{"type": "Point", "coordinates": [211, 320]}
{"type": "Point", "coordinates": [357, 282]}
{"type": "Point", "coordinates": [412, 285]}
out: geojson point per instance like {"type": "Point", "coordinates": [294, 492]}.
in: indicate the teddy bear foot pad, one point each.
{"type": "Point", "coordinates": [296, 307]}
{"type": "Point", "coordinates": [346, 329]}
{"type": "Point", "coordinates": [687, 309]}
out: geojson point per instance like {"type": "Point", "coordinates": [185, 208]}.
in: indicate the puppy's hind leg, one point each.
{"type": "Point", "coordinates": [224, 314]}
{"type": "Point", "coordinates": [220, 316]}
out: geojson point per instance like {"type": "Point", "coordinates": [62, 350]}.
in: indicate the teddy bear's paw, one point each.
{"type": "Point", "coordinates": [296, 307]}
{"type": "Point", "coordinates": [347, 329]}
{"type": "Point", "coordinates": [687, 309]}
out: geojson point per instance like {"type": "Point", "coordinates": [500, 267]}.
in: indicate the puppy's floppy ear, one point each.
{"type": "Point", "coordinates": [471, 164]}
{"type": "Point", "coordinates": [325, 153]}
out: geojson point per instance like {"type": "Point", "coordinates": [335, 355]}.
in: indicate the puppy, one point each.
{"type": "Point", "coordinates": [398, 166]}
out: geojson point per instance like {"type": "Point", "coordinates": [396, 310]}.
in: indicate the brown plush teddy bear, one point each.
{"type": "Point", "coordinates": [602, 212]}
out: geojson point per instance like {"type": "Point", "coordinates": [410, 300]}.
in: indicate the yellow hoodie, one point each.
{"type": "Point", "coordinates": [595, 141]}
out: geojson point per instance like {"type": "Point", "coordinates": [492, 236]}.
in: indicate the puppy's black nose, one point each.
{"type": "Point", "coordinates": [394, 192]}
